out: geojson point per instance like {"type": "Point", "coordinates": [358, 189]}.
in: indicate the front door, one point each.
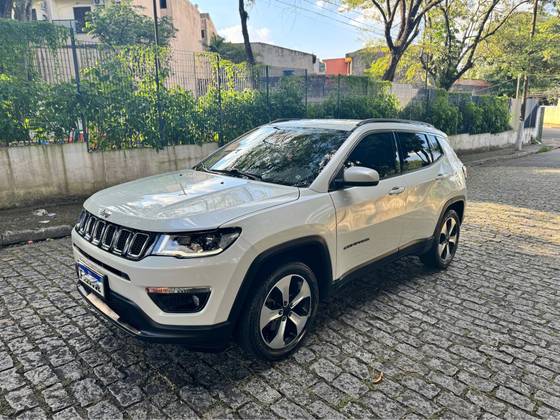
{"type": "Point", "coordinates": [368, 218]}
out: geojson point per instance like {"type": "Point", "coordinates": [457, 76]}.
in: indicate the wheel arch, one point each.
{"type": "Point", "coordinates": [310, 250]}
{"type": "Point", "coordinates": [456, 203]}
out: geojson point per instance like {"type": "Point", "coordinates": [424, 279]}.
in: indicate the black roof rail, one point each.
{"type": "Point", "coordinates": [393, 120]}
{"type": "Point", "coordinates": [283, 119]}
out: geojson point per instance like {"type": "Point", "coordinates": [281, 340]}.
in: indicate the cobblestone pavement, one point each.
{"type": "Point", "coordinates": [478, 340]}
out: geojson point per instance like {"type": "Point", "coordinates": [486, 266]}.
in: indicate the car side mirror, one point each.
{"type": "Point", "coordinates": [360, 176]}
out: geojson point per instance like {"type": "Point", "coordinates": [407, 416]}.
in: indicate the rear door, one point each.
{"type": "Point", "coordinates": [421, 172]}
{"type": "Point", "coordinates": [369, 218]}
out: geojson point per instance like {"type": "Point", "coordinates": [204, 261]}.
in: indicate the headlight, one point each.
{"type": "Point", "coordinates": [196, 244]}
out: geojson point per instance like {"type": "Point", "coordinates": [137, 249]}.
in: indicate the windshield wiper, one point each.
{"type": "Point", "coordinates": [237, 173]}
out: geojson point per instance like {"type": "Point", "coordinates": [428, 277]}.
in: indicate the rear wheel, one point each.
{"type": "Point", "coordinates": [445, 242]}
{"type": "Point", "coordinates": [280, 312]}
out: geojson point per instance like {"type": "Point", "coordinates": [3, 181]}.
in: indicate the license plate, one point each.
{"type": "Point", "coordinates": [91, 279]}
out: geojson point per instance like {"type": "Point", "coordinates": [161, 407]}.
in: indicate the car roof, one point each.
{"type": "Point", "coordinates": [349, 125]}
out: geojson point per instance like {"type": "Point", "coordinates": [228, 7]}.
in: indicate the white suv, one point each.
{"type": "Point", "coordinates": [246, 243]}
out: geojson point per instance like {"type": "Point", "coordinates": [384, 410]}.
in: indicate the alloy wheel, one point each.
{"type": "Point", "coordinates": [448, 238]}
{"type": "Point", "coordinates": [285, 312]}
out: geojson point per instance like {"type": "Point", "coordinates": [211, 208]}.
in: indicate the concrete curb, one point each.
{"type": "Point", "coordinates": [22, 236]}
{"type": "Point", "coordinates": [506, 157]}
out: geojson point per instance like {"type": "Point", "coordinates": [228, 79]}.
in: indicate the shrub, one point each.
{"type": "Point", "coordinates": [18, 103]}
{"type": "Point", "coordinates": [439, 111]}
{"type": "Point", "coordinates": [356, 107]}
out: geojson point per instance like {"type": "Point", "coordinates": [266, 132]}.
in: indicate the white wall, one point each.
{"type": "Point", "coordinates": [36, 174]}
{"type": "Point", "coordinates": [486, 141]}
{"type": "Point", "coordinates": [32, 174]}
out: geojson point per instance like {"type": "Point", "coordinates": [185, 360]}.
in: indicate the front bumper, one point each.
{"type": "Point", "coordinates": [126, 315]}
{"type": "Point", "coordinates": [128, 305]}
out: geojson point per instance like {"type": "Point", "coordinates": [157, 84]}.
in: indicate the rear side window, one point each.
{"type": "Point", "coordinates": [376, 151]}
{"type": "Point", "coordinates": [414, 150]}
{"type": "Point", "coordinates": [435, 147]}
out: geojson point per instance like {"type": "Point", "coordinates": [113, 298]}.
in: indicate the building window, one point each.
{"type": "Point", "coordinates": [163, 4]}
{"type": "Point", "coordinates": [33, 14]}
{"type": "Point", "coordinates": [80, 17]}
{"type": "Point", "coordinates": [203, 34]}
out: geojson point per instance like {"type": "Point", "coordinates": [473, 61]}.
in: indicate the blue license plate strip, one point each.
{"type": "Point", "coordinates": [92, 279]}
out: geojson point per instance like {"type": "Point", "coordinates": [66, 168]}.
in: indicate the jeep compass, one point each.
{"type": "Point", "coordinates": [246, 243]}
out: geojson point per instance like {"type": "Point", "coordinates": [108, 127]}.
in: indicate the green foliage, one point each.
{"type": "Point", "coordinates": [229, 51]}
{"type": "Point", "coordinates": [119, 101]}
{"type": "Point", "coordinates": [458, 113]}
{"type": "Point", "coordinates": [58, 113]}
{"type": "Point", "coordinates": [118, 24]}
{"type": "Point", "coordinates": [510, 52]}
{"type": "Point", "coordinates": [16, 40]}
{"type": "Point", "coordinates": [379, 103]}
{"type": "Point", "coordinates": [17, 105]}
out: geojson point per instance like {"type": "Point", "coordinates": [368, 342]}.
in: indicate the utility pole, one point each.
{"type": "Point", "coordinates": [521, 126]}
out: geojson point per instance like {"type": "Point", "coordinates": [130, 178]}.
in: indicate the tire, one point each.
{"type": "Point", "coordinates": [445, 243]}
{"type": "Point", "coordinates": [268, 314]}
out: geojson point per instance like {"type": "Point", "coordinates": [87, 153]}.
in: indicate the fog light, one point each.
{"type": "Point", "coordinates": [179, 299]}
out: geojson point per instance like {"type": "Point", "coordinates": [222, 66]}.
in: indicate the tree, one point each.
{"type": "Point", "coordinates": [121, 24]}
{"type": "Point", "coordinates": [454, 31]}
{"type": "Point", "coordinates": [409, 70]}
{"type": "Point", "coordinates": [503, 58]}
{"type": "Point", "coordinates": [400, 17]}
{"type": "Point", "coordinates": [227, 50]}
{"type": "Point", "coordinates": [244, 16]}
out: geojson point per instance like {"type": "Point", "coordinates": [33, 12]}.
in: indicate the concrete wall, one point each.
{"type": "Point", "coordinates": [486, 141]}
{"type": "Point", "coordinates": [289, 59]}
{"type": "Point", "coordinates": [36, 174]}
{"type": "Point", "coordinates": [32, 174]}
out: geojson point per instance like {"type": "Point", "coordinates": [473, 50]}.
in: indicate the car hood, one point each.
{"type": "Point", "coordinates": [185, 201]}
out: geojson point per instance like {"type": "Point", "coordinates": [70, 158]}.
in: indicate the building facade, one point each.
{"type": "Point", "coordinates": [194, 29]}
{"type": "Point", "coordinates": [337, 66]}
{"type": "Point", "coordinates": [285, 60]}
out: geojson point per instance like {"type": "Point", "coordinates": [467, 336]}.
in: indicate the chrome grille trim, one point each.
{"type": "Point", "coordinates": [125, 234]}
{"type": "Point", "coordinates": [118, 240]}
{"type": "Point", "coordinates": [137, 239]}
{"type": "Point", "coordinates": [98, 231]}
{"type": "Point", "coordinates": [106, 241]}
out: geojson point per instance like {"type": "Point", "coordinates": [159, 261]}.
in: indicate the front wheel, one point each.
{"type": "Point", "coordinates": [280, 312]}
{"type": "Point", "coordinates": [445, 242]}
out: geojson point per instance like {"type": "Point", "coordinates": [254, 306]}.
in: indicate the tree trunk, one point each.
{"type": "Point", "coordinates": [6, 7]}
{"type": "Point", "coordinates": [390, 73]}
{"type": "Point", "coordinates": [244, 16]}
{"type": "Point", "coordinates": [23, 10]}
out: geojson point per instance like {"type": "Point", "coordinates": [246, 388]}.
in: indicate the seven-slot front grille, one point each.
{"type": "Point", "coordinates": [125, 242]}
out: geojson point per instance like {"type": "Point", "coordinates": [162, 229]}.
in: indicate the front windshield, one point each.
{"type": "Point", "coordinates": [281, 155]}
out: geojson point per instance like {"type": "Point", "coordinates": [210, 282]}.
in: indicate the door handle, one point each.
{"type": "Point", "coordinates": [441, 176]}
{"type": "Point", "coordinates": [396, 190]}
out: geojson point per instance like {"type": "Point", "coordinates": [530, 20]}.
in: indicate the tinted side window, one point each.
{"type": "Point", "coordinates": [376, 151]}
{"type": "Point", "coordinates": [414, 149]}
{"type": "Point", "coordinates": [435, 147]}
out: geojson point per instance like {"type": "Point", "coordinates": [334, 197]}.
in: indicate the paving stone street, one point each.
{"type": "Point", "coordinates": [480, 340]}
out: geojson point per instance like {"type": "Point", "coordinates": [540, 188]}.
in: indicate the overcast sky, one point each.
{"type": "Point", "coordinates": [314, 26]}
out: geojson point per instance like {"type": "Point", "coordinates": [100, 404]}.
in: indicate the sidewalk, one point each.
{"type": "Point", "coordinates": [51, 221]}
{"type": "Point", "coordinates": [38, 223]}
{"type": "Point", "coordinates": [480, 158]}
